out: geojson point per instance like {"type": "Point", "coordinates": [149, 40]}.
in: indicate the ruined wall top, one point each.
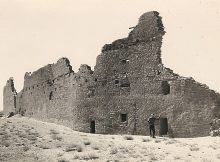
{"type": "Point", "coordinates": [149, 27]}
{"type": "Point", "coordinates": [48, 72]}
{"type": "Point", "coordinates": [10, 85]}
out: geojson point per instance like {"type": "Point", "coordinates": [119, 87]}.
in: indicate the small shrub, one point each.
{"type": "Point", "coordinates": [22, 135]}
{"type": "Point", "coordinates": [76, 157]}
{"type": "Point", "coordinates": [89, 156]}
{"type": "Point", "coordinates": [194, 148]}
{"type": "Point", "coordinates": [6, 143]}
{"type": "Point", "coordinates": [128, 138]}
{"type": "Point", "coordinates": [79, 149]}
{"type": "Point", "coordinates": [124, 150]}
{"type": "Point", "coordinates": [60, 154]}
{"type": "Point", "coordinates": [31, 138]}
{"type": "Point", "coordinates": [74, 147]}
{"type": "Point", "coordinates": [34, 133]}
{"type": "Point", "coordinates": [70, 148]}
{"type": "Point", "coordinates": [95, 147]}
{"type": "Point", "coordinates": [52, 131]}
{"type": "Point", "coordinates": [157, 141]}
{"type": "Point", "coordinates": [25, 148]}
{"type": "Point", "coordinates": [87, 142]}
{"type": "Point", "coordinates": [153, 158]}
{"type": "Point", "coordinates": [56, 137]}
{"type": "Point", "coordinates": [114, 150]}
{"type": "Point", "coordinates": [44, 146]}
{"type": "Point", "coordinates": [58, 145]}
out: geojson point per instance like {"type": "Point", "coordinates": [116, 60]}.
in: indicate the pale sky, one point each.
{"type": "Point", "coordinates": [34, 33]}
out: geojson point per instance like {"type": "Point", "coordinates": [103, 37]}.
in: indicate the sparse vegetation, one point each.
{"type": "Point", "coordinates": [25, 140]}
{"type": "Point", "coordinates": [95, 147]}
{"type": "Point", "coordinates": [26, 148]}
{"type": "Point", "coordinates": [157, 141]}
{"type": "Point", "coordinates": [5, 143]}
{"type": "Point", "coordinates": [89, 156]}
{"type": "Point", "coordinates": [31, 137]}
{"type": "Point", "coordinates": [60, 154]}
{"type": "Point", "coordinates": [128, 138]}
{"type": "Point", "coordinates": [176, 157]}
{"type": "Point", "coordinates": [74, 147]}
{"type": "Point", "coordinates": [52, 131]}
{"type": "Point", "coordinates": [55, 135]}
{"type": "Point", "coordinates": [194, 147]}
{"type": "Point", "coordinates": [125, 150]}
{"type": "Point", "coordinates": [113, 150]}
{"type": "Point", "coordinates": [87, 142]}
{"type": "Point", "coordinates": [153, 157]}
{"type": "Point", "coordinates": [76, 157]}
{"type": "Point", "coordinates": [44, 146]}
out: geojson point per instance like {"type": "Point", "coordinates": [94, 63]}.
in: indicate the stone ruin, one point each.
{"type": "Point", "coordinates": [129, 82]}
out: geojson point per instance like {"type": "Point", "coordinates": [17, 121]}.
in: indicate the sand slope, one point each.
{"type": "Point", "coordinates": [25, 140]}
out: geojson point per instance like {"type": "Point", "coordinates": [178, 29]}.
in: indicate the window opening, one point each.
{"type": "Point", "coordinates": [51, 95]}
{"type": "Point", "coordinates": [124, 117]}
{"type": "Point", "coordinates": [165, 88]}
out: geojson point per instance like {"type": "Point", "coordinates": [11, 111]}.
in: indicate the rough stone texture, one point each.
{"type": "Point", "coordinates": [9, 97]}
{"type": "Point", "coordinates": [129, 78]}
{"type": "Point", "coordinates": [215, 127]}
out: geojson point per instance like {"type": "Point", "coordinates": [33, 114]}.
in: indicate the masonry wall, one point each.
{"type": "Point", "coordinates": [9, 97]}
{"type": "Point", "coordinates": [128, 79]}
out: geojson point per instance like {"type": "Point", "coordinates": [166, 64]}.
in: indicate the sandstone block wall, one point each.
{"type": "Point", "coordinates": [129, 82]}
{"type": "Point", "coordinates": [9, 97]}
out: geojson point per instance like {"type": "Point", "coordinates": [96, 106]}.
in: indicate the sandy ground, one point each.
{"type": "Point", "coordinates": [27, 140]}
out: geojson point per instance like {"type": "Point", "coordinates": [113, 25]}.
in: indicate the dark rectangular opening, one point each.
{"type": "Point", "coordinates": [92, 126]}
{"type": "Point", "coordinates": [51, 95]}
{"type": "Point", "coordinates": [165, 88]}
{"type": "Point", "coordinates": [116, 81]}
{"type": "Point", "coordinates": [124, 117]}
{"type": "Point", "coordinates": [163, 126]}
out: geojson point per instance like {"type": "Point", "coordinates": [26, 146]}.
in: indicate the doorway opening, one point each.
{"type": "Point", "coordinates": [163, 126]}
{"type": "Point", "coordinates": [92, 126]}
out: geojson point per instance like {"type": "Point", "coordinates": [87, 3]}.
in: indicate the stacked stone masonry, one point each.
{"type": "Point", "coordinates": [129, 82]}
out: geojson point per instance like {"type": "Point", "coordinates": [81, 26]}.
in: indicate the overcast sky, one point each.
{"type": "Point", "coordinates": [34, 33]}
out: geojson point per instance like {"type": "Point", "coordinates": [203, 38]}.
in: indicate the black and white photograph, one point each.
{"type": "Point", "coordinates": [109, 81]}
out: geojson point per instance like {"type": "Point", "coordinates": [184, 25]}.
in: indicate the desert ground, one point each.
{"type": "Point", "coordinates": [25, 139]}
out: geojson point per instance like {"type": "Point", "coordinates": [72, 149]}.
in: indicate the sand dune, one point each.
{"type": "Point", "coordinates": [27, 140]}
